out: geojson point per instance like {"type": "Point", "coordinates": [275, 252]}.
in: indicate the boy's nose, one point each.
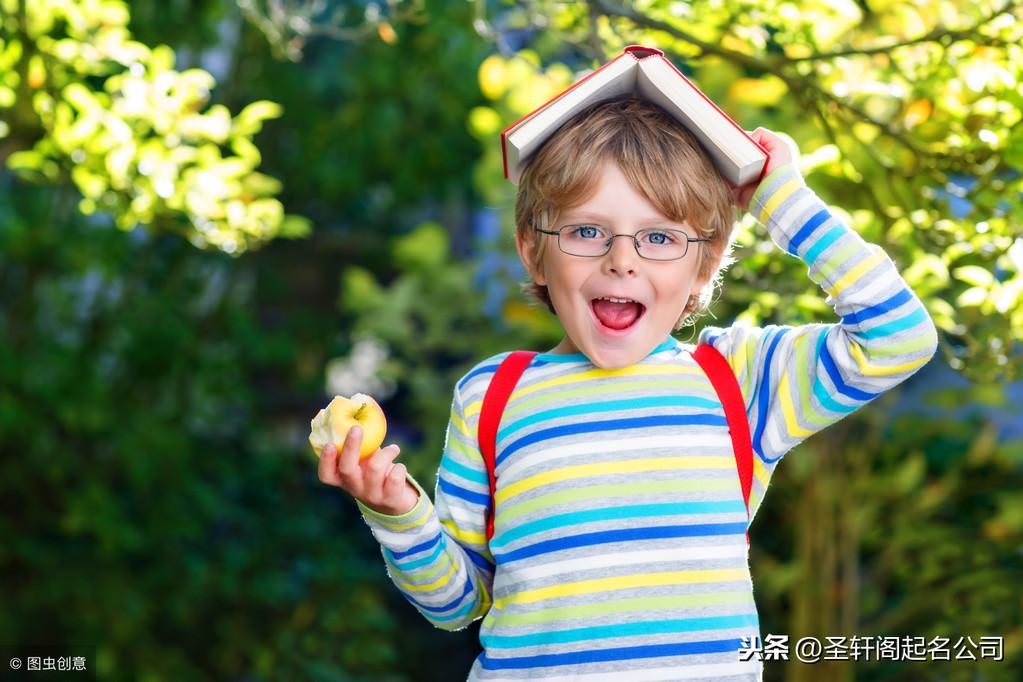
{"type": "Point", "coordinates": [622, 256]}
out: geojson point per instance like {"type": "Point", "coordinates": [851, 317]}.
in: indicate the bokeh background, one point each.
{"type": "Point", "coordinates": [217, 214]}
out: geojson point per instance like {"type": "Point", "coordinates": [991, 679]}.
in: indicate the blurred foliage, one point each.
{"type": "Point", "coordinates": [87, 102]}
{"type": "Point", "coordinates": [886, 135]}
{"type": "Point", "coordinates": [158, 495]}
{"type": "Point", "coordinates": [288, 26]}
{"type": "Point", "coordinates": [148, 507]}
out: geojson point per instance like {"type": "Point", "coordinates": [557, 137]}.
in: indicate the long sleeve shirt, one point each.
{"type": "Point", "coordinates": [619, 548]}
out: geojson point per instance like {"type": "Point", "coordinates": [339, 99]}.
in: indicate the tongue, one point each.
{"type": "Point", "coordinates": [615, 315]}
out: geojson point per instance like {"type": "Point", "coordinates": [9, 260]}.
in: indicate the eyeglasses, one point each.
{"type": "Point", "coordinates": [655, 243]}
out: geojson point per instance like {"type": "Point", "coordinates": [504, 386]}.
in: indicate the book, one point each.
{"type": "Point", "coordinates": [646, 72]}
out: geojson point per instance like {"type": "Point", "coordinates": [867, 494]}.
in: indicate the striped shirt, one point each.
{"type": "Point", "coordinates": [619, 548]}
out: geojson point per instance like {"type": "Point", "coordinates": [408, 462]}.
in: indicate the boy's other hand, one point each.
{"type": "Point", "coordinates": [780, 154]}
{"type": "Point", "coordinates": [375, 481]}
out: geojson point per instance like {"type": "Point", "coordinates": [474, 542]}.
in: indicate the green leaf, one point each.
{"type": "Point", "coordinates": [426, 247]}
{"type": "Point", "coordinates": [249, 120]}
{"type": "Point", "coordinates": [975, 275]}
{"type": "Point", "coordinates": [359, 290]}
{"type": "Point", "coordinates": [295, 227]}
{"type": "Point", "coordinates": [972, 297]}
{"type": "Point", "coordinates": [927, 267]}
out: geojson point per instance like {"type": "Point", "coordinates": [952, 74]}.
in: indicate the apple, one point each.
{"type": "Point", "coordinates": [331, 424]}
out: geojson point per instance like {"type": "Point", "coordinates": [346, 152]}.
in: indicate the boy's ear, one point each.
{"type": "Point", "coordinates": [525, 248]}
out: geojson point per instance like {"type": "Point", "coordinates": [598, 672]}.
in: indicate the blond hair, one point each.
{"type": "Point", "coordinates": [661, 159]}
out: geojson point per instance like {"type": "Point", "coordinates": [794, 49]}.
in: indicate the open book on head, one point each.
{"type": "Point", "coordinates": [646, 72]}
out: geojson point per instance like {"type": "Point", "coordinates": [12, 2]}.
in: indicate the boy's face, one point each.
{"type": "Point", "coordinates": [573, 282]}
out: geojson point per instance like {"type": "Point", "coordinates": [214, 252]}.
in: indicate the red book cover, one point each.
{"type": "Point", "coordinates": [637, 52]}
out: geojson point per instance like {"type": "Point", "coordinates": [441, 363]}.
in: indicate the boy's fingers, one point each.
{"type": "Point", "coordinates": [378, 466]}
{"type": "Point", "coordinates": [348, 461]}
{"type": "Point", "coordinates": [327, 469]}
{"type": "Point", "coordinates": [395, 478]}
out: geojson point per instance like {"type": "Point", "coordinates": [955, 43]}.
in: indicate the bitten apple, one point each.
{"type": "Point", "coordinates": [331, 424]}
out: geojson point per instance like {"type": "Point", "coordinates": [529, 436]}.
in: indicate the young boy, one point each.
{"type": "Point", "coordinates": [619, 550]}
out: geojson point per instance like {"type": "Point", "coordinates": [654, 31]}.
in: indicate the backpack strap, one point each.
{"type": "Point", "coordinates": [714, 365]}
{"type": "Point", "coordinates": [500, 389]}
{"type": "Point", "coordinates": [721, 376]}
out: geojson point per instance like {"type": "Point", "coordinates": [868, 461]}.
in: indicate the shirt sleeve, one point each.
{"type": "Point", "coordinates": [437, 554]}
{"type": "Point", "coordinates": [796, 380]}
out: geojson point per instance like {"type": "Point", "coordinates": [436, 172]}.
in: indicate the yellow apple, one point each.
{"type": "Point", "coordinates": [331, 424]}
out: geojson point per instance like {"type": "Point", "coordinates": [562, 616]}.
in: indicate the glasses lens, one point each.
{"type": "Point", "coordinates": [662, 244]}
{"type": "Point", "coordinates": [654, 244]}
{"type": "Point", "coordinates": [583, 240]}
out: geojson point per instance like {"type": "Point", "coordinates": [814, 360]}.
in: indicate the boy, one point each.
{"type": "Point", "coordinates": [619, 549]}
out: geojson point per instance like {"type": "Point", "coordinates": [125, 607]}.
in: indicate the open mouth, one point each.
{"type": "Point", "coordinates": [616, 317]}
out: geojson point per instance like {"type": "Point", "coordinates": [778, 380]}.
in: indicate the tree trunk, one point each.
{"type": "Point", "coordinates": [826, 598]}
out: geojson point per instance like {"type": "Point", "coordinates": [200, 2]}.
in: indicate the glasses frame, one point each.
{"type": "Point", "coordinates": [635, 241]}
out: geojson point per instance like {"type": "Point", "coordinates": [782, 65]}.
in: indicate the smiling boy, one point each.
{"type": "Point", "coordinates": [581, 279]}
{"type": "Point", "coordinates": [619, 549]}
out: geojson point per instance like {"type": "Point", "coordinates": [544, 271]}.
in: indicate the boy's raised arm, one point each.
{"type": "Point", "coordinates": [798, 380]}
{"type": "Point", "coordinates": [436, 553]}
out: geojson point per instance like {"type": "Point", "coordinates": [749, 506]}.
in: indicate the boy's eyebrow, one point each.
{"type": "Point", "coordinates": [585, 215]}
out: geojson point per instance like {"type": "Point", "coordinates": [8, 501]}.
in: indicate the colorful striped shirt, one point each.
{"type": "Point", "coordinates": [619, 548]}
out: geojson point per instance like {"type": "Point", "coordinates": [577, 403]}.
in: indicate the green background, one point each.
{"type": "Point", "coordinates": [201, 243]}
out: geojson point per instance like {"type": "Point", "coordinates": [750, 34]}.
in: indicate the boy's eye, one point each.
{"type": "Point", "coordinates": [588, 232]}
{"type": "Point", "coordinates": [657, 237]}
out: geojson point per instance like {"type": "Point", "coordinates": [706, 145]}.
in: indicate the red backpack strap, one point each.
{"type": "Point", "coordinates": [500, 389]}
{"type": "Point", "coordinates": [721, 376]}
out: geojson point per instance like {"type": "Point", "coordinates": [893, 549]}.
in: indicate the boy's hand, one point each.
{"type": "Point", "coordinates": [375, 481]}
{"type": "Point", "coordinates": [780, 154]}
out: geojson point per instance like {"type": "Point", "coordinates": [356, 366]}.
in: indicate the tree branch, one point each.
{"type": "Point", "coordinates": [767, 64]}
{"type": "Point", "coordinates": [871, 194]}
{"type": "Point", "coordinates": [776, 66]}
{"type": "Point", "coordinates": [937, 34]}
{"type": "Point", "coordinates": [594, 36]}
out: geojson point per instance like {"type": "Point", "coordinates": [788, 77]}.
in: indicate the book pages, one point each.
{"type": "Point", "coordinates": [617, 78]}
{"type": "Point", "coordinates": [653, 77]}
